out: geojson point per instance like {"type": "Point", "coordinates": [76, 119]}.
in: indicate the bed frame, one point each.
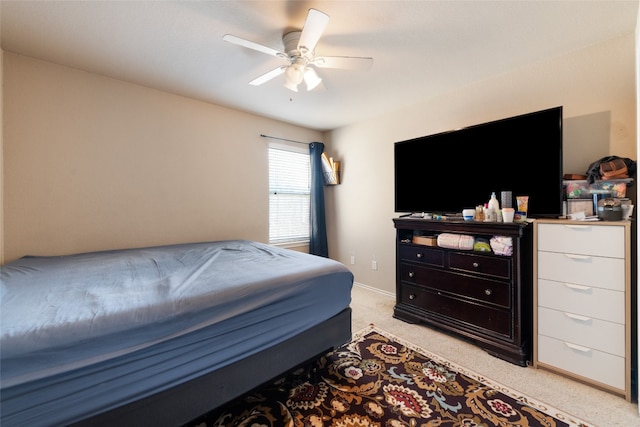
{"type": "Point", "coordinates": [186, 402]}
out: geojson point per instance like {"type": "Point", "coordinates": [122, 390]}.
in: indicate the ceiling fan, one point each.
{"type": "Point", "coordinates": [299, 52]}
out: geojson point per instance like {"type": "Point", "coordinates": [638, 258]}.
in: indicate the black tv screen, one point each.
{"type": "Point", "coordinates": [450, 171]}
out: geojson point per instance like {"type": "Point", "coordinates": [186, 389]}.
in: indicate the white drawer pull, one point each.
{"type": "Point", "coordinates": [577, 257]}
{"type": "Point", "coordinates": [577, 317]}
{"type": "Point", "coordinates": [577, 287]}
{"type": "Point", "coordinates": [577, 347]}
{"type": "Point", "coordinates": [578, 227]}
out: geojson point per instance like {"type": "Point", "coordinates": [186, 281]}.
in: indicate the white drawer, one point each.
{"type": "Point", "coordinates": [608, 337]}
{"type": "Point", "coordinates": [589, 363]}
{"type": "Point", "coordinates": [594, 302]}
{"type": "Point", "coordinates": [601, 272]}
{"type": "Point", "coordinates": [588, 239]}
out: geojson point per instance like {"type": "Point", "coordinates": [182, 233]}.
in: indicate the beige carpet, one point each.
{"type": "Point", "coordinates": [592, 405]}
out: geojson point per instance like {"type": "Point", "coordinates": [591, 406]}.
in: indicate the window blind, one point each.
{"type": "Point", "coordinates": [289, 195]}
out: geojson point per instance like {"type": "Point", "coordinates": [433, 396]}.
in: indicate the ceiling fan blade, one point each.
{"type": "Point", "coordinates": [252, 45]}
{"type": "Point", "coordinates": [313, 28]}
{"type": "Point", "coordinates": [268, 76]}
{"type": "Point", "coordinates": [344, 62]}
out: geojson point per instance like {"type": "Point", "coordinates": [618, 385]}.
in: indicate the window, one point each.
{"type": "Point", "coordinates": [289, 194]}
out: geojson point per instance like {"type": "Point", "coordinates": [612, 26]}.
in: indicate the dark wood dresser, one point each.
{"type": "Point", "coordinates": [479, 296]}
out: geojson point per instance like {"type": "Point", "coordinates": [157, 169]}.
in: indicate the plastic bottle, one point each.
{"type": "Point", "coordinates": [487, 213]}
{"type": "Point", "coordinates": [494, 207]}
{"type": "Point", "coordinates": [493, 202]}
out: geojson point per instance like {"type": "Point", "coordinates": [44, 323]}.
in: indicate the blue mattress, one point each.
{"type": "Point", "coordinates": [82, 334]}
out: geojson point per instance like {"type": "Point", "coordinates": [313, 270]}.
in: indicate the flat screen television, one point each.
{"type": "Point", "coordinates": [450, 171]}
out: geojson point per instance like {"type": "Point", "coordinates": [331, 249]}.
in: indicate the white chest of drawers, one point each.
{"type": "Point", "coordinates": [582, 309]}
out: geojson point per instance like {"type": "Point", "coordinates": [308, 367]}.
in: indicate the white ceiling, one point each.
{"type": "Point", "coordinates": [420, 48]}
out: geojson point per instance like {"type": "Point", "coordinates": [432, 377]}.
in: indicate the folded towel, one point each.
{"type": "Point", "coordinates": [502, 245]}
{"type": "Point", "coordinates": [456, 241]}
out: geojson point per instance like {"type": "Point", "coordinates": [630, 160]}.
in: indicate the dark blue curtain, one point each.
{"type": "Point", "coordinates": [318, 233]}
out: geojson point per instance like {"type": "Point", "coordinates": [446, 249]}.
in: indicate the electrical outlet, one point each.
{"type": "Point", "coordinates": [353, 259]}
{"type": "Point", "coordinates": [374, 265]}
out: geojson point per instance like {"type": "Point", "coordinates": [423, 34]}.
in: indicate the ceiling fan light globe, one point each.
{"type": "Point", "coordinates": [312, 86]}
{"type": "Point", "coordinates": [311, 79]}
{"type": "Point", "coordinates": [295, 72]}
{"type": "Point", "coordinates": [290, 85]}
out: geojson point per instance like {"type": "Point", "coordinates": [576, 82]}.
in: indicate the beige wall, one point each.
{"type": "Point", "coordinates": [637, 69]}
{"type": "Point", "coordinates": [596, 87]}
{"type": "Point", "coordinates": [1, 157]}
{"type": "Point", "coordinates": [1, 164]}
{"type": "Point", "coordinates": [93, 163]}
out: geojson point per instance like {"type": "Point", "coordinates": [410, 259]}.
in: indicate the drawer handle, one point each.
{"type": "Point", "coordinates": [419, 255]}
{"type": "Point", "coordinates": [577, 287]}
{"type": "Point", "coordinates": [488, 291]}
{"type": "Point", "coordinates": [578, 227]}
{"type": "Point", "coordinates": [412, 274]}
{"type": "Point", "coordinates": [578, 317]}
{"type": "Point", "coordinates": [412, 296]}
{"type": "Point", "coordinates": [577, 347]}
{"type": "Point", "coordinates": [577, 257]}
{"type": "Point", "coordinates": [475, 265]}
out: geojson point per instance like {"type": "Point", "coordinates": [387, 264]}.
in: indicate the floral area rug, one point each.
{"type": "Point", "coordinates": [378, 380]}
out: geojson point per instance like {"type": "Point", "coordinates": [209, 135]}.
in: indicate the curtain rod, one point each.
{"type": "Point", "coordinates": [283, 139]}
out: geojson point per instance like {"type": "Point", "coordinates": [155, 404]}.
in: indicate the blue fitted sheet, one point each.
{"type": "Point", "coordinates": [85, 333]}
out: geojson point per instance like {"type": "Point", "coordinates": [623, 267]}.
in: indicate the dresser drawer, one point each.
{"type": "Point", "coordinates": [608, 273]}
{"type": "Point", "coordinates": [586, 331]}
{"type": "Point", "coordinates": [589, 363]}
{"type": "Point", "coordinates": [585, 239]}
{"type": "Point", "coordinates": [439, 305]}
{"type": "Point", "coordinates": [473, 263]}
{"type": "Point", "coordinates": [594, 302]}
{"type": "Point", "coordinates": [423, 255]}
{"type": "Point", "coordinates": [476, 288]}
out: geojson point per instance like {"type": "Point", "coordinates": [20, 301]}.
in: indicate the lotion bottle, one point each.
{"type": "Point", "coordinates": [494, 206]}
{"type": "Point", "coordinates": [493, 202]}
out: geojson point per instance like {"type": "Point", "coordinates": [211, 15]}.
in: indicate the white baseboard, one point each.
{"type": "Point", "coordinates": [371, 288]}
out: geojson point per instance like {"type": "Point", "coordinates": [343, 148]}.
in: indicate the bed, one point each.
{"type": "Point", "coordinates": [160, 335]}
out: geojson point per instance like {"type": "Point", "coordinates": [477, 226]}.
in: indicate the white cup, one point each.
{"type": "Point", "coordinates": [627, 211]}
{"type": "Point", "coordinates": [507, 214]}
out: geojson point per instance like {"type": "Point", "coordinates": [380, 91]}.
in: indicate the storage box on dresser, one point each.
{"type": "Point", "coordinates": [482, 297]}
{"type": "Point", "coordinates": [582, 312]}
